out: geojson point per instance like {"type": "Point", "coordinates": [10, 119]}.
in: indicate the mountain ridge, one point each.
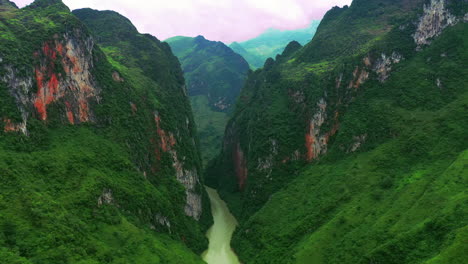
{"type": "Point", "coordinates": [362, 93]}
{"type": "Point", "coordinates": [98, 162]}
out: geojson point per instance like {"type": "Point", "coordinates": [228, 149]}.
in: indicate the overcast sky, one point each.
{"type": "Point", "coordinates": [224, 20]}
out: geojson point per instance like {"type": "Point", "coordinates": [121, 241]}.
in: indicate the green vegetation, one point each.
{"type": "Point", "coordinates": [210, 124]}
{"type": "Point", "coordinates": [271, 43]}
{"type": "Point", "coordinates": [49, 210]}
{"type": "Point", "coordinates": [331, 157]}
{"type": "Point", "coordinates": [105, 190]}
{"type": "Point", "coordinates": [215, 75]}
{"type": "Point", "coordinates": [211, 69]}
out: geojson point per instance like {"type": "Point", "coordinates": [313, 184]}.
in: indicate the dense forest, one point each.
{"type": "Point", "coordinates": [344, 142]}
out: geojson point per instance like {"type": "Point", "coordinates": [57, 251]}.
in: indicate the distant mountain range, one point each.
{"type": "Point", "coordinates": [272, 42]}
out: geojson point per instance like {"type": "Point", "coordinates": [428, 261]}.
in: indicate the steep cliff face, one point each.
{"type": "Point", "coordinates": [98, 141]}
{"type": "Point", "coordinates": [113, 40]}
{"type": "Point", "coordinates": [62, 75]}
{"type": "Point", "coordinates": [435, 19]}
{"type": "Point", "coordinates": [215, 75]}
{"type": "Point", "coordinates": [339, 100]}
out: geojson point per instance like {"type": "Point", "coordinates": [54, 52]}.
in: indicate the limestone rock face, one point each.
{"type": "Point", "coordinates": [106, 197]}
{"type": "Point", "coordinates": [62, 75]}
{"type": "Point", "coordinates": [383, 66]}
{"type": "Point", "coordinates": [434, 20]}
{"type": "Point", "coordinates": [190, 180]}
{"type": "Point", "coordinates": [188, 177]}
{"type": "Point", "coordinates": [75, 88]}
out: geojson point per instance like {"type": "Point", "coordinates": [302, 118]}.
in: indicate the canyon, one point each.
{"type": "Point", "coordinates": [348, 147]}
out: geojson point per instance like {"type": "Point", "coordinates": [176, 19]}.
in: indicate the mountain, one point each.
{"type": "Point", "coordinates": [215, 75]}
{"type": "Point", "coordinates": [353, 148]}
{"type": "Point", "coordinates": [99, 160]}
{"type": "Point", "coordinates": [271, 43]}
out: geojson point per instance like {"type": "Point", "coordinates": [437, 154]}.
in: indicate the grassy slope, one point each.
{"type": "Point", "coordinates": [51, 180]}
{"type": "Point", "coordinates": [403, 200]}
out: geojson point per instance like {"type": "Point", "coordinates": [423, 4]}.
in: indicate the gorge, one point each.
{"type": "Point", "coordinates": [349, 147]}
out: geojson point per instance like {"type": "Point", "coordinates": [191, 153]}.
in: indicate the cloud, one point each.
{"type": "Point", "coordinates": [224, 20]}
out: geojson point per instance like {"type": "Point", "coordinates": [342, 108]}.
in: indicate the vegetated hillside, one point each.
{"type": "Point", "coordinates": [353, 149]}
{"type": "Point", "coordinates": [271, 43]}
{"type": "Point", "coordinates": [98, 157]}
{"type": "Point", "coordinates": [215, 75]}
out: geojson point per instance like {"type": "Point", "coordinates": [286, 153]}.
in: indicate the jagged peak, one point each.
{"type": "Point", "coordinates": [269, 64]}
{"type": "Point", "coordinates": [200, 37]}
{"type": "Point", "coordinates": [292, 47]}
{"type": "Point", "coordinates": [58, 4]}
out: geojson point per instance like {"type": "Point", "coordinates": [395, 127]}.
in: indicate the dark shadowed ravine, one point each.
{"type": "Point", "coordinates": [219, 250]}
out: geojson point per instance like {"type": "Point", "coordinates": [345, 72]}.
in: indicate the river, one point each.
{"type": "Point", "coordinates": [219, 235]}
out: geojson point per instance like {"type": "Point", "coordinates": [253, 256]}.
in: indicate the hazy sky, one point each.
{"type": "Point", "coordinates": [224, 20]}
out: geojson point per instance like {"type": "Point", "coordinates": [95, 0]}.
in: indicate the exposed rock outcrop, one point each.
{"type": "Point", "coordinates": [434, 20]}
{"type": "Point", "coordinates": [266, 164]}
{"type": "Point", "coordinates": [315, 142]}
{"type": "Point", "coordinates": [383, 65]}
{"type": "Point", "coordinates": [63, 75]}
{"type": "Point", "coordinates": [76, 86]}
{"type": "Point", "coordinates": [106, 197]}
{"type": "Point", "coordinates": [19, 87]}
{"type": "Point", "coordinates": [10, 126]}
{"type": "Point", "coordinates": [358, 141]}
{"type": "Point", "coordinates": [162, 220]}
{"type": "Point", "coordinates": [187, 177]}
{"type": "Point", "coordinates": [360, 75]}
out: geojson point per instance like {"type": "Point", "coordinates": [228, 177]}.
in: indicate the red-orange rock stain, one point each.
{"type": "Point", "coordinates": [9, 126]}
{"type": "Point", "coordinates": [60, 48]}
{"type": "Point", "coordinates": [39, 103]}
{"type": "Point", "coordinates": [49, 52]}
{"type": "Point", "coordinates": [53, 88]}
{"type": "Point", "coordinates": [46, 94]}
{"type": "Point", "coordinates": [84, 110]}
{"type": "Point", "coordinates": [309, 142]}
{"type": "Point", "coordinates": [166, 142]}
{"type": "Point", "coordinates": [240, 166]}
{"type": "Point", "coordinates": [70, 117]}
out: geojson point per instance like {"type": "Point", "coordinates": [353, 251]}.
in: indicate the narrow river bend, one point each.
{"type": "Point", "coordinates": [219, 250]}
